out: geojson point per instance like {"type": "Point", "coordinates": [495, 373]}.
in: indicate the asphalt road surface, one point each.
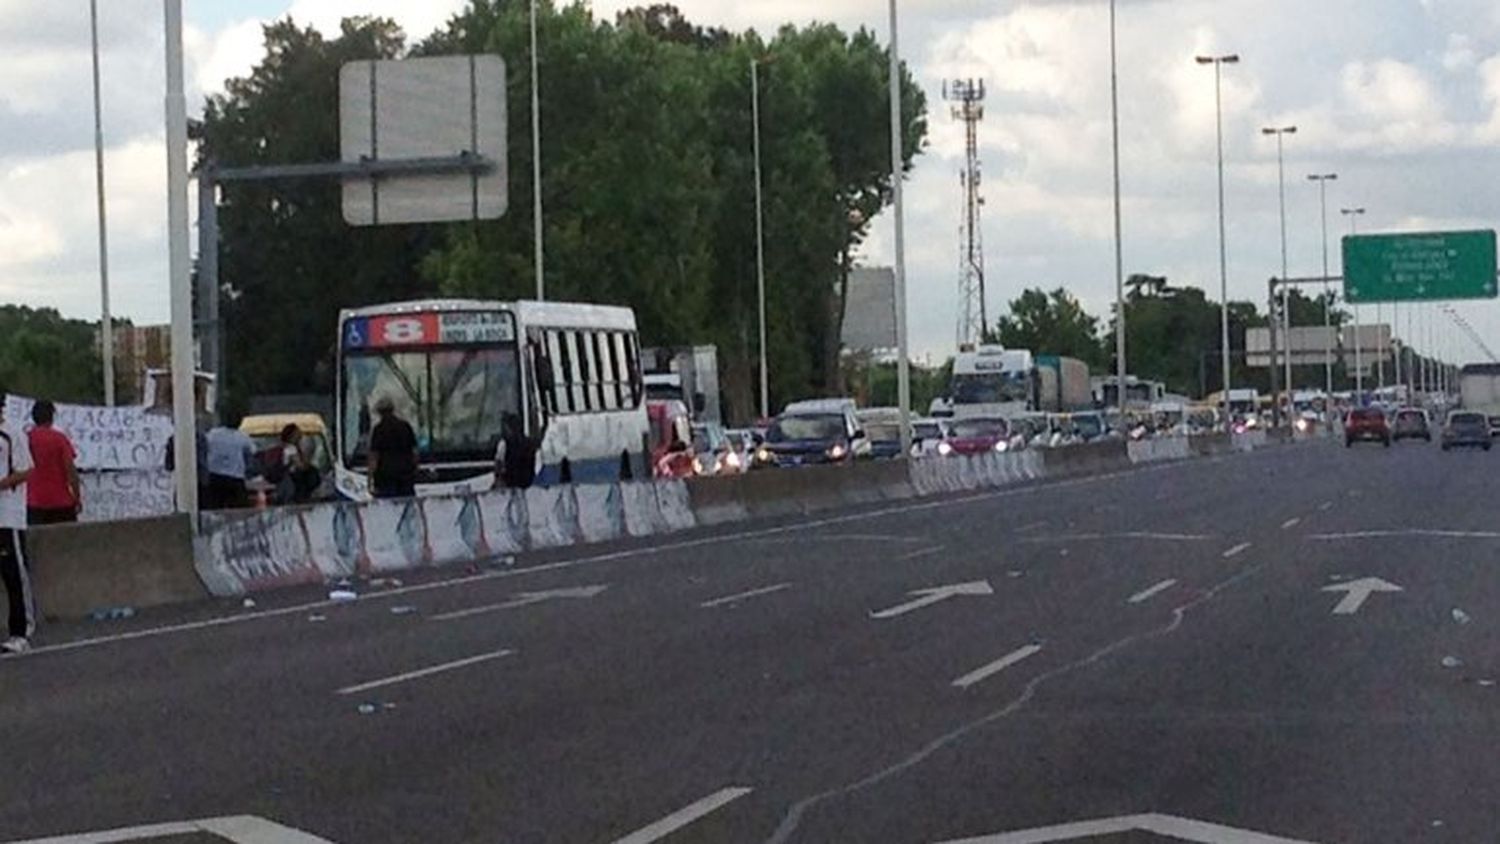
{"type": "Point", "coordinates": [1210, 651]}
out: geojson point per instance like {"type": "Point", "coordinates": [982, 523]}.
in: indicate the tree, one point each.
{"type": "Point", "coordinates": [1052, 323]}
{"type": "Point", "coordinates": [44, 355]}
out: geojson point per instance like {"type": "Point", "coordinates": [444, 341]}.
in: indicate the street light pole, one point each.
{"type": "Point", "coordinates": [1218, 62]}
{"type": "Point", "coordinates": [106, 321]}
{"type": "Point", "coordinates": [536, 163]}
{"type": "Point", "coordinates": [760, 240]}
{"type": "Point", "coordinates": [179, 268]}
{"type": "Point", "coordinates": [1286, 308]}
{"type": "Point", "coordinates": [1323, 179]}
{"type": "Point", "coordinates": [1359, 365]}
{"type": "Point", "coordinates": [903, 366]}
{"type": "Point", "coordinates": [1121, 369]}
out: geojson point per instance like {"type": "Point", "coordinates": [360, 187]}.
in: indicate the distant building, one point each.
{"type": "Point", "coordinates": [137, 349]}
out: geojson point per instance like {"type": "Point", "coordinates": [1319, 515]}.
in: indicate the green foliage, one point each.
{"type": "Point", "coordinates": [1052, 324]}
{"type": "Point", "coordinates": [44, 355]}
{"type": "Point", "coordinates": [647, 181]}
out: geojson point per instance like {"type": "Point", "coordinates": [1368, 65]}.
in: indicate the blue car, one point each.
{"type": "Point", "coordinates": [809, 439]}
{"type": "Point", "coordinates": [1466, 429]}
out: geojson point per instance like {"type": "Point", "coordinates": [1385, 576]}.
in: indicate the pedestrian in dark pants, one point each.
{"type": "Point", "coordinates": [53, 493]}
{"type": "Point", "coordinates": [393, 458]}
{"type": "Point", "coordinates": [230, 454]}
{"type": "Point", "coordinates": [15, 460]}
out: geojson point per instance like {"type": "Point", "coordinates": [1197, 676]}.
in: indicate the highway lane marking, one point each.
{"type": "Point", "coordinates": [921, 552]}
{"type": "Point", "coordinates": [1359, 591]}
{"type": "Point", "coordinates": [1391, 534]}
{"type": "Point", "coordinates": [1237, 550]}
{"type": "Point", "coordinates": [1326, 506]}
{"type": "Point", "coordinates": [526, 599]}
{"type": "Point", "coordinates": [425, 672]}
{"type": "Point", "coordinates": [1134, 534]}
{"type": "Point", "coordinates": [649, 551]}
{"type": "Point", "coordinates": [1182, 829]}
{"type": "Point", "coordinates": [986, 671]}
{"type": "Point", "coordinates": [1151, 592]}
{"type": "Point", "coordinates": [684, 816]}
{"type": "Point", "coordinates": [792, 818]}
{"type": "Point", "coordinates": [243, 829]}
{"type": "Point", "coordinates": [1291, 523]}
{"type": "Point", "coordinates": [936, 594]}
{"type": "Point", "coordinates": [753, 593]}
{"type": "Point", "coordinates": [844, 537]}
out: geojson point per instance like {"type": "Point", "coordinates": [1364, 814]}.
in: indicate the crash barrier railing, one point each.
{"type": "Point", "coordinates": [82, 569]}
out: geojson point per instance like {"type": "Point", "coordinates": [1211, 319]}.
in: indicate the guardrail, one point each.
{"type": "Point", "coordinates": [87, 567]}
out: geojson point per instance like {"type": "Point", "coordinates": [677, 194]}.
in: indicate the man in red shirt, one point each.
{"type": "Point", "coordinates": [53, 495]}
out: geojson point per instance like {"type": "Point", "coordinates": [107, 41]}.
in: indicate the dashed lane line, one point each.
{"type": "Point", "coordinates": [684, 816]}
{"type": "Point", "coordinates": [741, 596]}
{"type": "Point", "coordinates": [1237, 550]}
{"type": "Point", "coordinates": [1152, 591]}
{"type": "Point", "coordinates": [424, 672]}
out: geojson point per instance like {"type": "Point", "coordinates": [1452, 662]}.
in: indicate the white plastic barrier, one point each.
{"type": "Point", "coordinates": [503, 516]}
{"type": "Point", "coordinates": [455, 532]}
{"type": "Point", "coordinates": [601, 512]}
{"type": "Point", "coordinates": [551, 516]}
{"type": "Point", "coordinates": [395, 535]}
{"type": "Point", "coordinates": [675, 505]}
{"type": "Point", "coordinates": [236, 553]}
{"type": "Point", "coordinates": [335, 539]}
{"type": "Point", "coordinates": [643, 516]}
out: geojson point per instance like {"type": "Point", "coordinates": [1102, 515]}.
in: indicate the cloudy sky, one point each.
{"type": "Point", "coordinates": [1400, 97]}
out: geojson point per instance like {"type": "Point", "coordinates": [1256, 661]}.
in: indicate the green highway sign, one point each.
{"type": "Point", "coordinates": [1419, 267]}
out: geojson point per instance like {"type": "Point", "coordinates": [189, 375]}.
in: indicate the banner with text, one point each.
{"type": "Point", "coordinates": [106, 437]}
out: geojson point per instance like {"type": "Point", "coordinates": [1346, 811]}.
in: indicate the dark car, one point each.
{"type": "Point", "coordinates": [805, 439]}
{"type": "Point", "coordinates": [1465, 429]}
{"type": "Point", "coordinates": [1367, 424]}
{"type": "Point", "coordinates": [1411, 424]}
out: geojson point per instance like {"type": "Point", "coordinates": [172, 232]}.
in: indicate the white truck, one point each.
{"type": "Point", "coordinates": [689, 374]}
{"type": "Point", "coordinates": [1479, 391]}
{"type": "Point", "coordinates": [989, 381]}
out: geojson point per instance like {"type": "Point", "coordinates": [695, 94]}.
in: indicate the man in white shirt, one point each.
{"type": "Point", "coordinates": [15, 463]}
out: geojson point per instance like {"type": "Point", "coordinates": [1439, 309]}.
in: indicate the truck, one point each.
{"type": "Point", "coordinates": [1062, 385]}
{"type": "Point", "coordinates": [1140, 393]}
{"type": "Point", "coordinates": [994, 381]}
{"type": "Point", "coordinates": [1479, 391]}
{"type": "Point", "coordinates": [689, 374]}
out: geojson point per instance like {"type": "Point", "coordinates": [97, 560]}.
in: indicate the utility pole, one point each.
{"type": "Point", "coordinates": [1286, 308]}
{"type": "Point", "coordinates": [1121, 369]}
{"type": "Point", "coordinates": [1323, 179]}
{"type": "Point", "coordinates": [1218, 62]}
{"type": "Point", "coordinates": [967, 95]}
{"type": "Point", "coordinates": [1359, 368]}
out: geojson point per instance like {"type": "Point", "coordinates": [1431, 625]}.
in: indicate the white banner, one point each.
{"type": "Point", "coordinates": [116, 496]}
{"type": "Point", "coordinates": [106, 437]}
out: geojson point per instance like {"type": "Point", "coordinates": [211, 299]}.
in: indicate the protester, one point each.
{"type": "Point", "coordinates": [229, 455]}
{"type": "Point", "coordinates": [515, 455]}
{"type": "Point", "coordinates": [15, 458]}
{"type": "Point", "coordinates": [393, 459]}
{"type": "Point", "coordinates": [202, 424]}
{"type": "Point", "coordinates": [53, 493]}
{"type": "Point", "coordinates": [287, 466]}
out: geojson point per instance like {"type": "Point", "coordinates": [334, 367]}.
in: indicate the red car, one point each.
{"type": "Point", "coordinates": [1367, 424]}
{"type": "Point", "coordinates": [975, 436]}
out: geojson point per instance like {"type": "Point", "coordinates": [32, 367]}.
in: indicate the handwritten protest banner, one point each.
{"type": "Point", "coordinates": [106, 437]}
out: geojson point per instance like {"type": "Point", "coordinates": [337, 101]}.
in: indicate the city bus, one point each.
{"type": "Point", "coordinates": [455, 369]}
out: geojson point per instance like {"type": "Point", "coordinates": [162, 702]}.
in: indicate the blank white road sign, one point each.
{"type": "Point", "coordinates": [424, 108]}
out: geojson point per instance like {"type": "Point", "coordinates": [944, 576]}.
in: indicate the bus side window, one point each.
{"type": "Point", "coordinates": [542, 374]}
{"type": "Point", "coordinates": [633, 362]}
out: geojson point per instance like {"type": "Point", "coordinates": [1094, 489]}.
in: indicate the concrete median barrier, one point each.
{"type": "Point", "coordinates": [718, 501]}
{"type": "Point", "coordinates": [502, 514]}
{"type": "Point", "coordinates": [455, 531]}
{"type": "Point", "coordinates": [252, 551]}
{"type": "Point", "coordinates": [551, 517]}
{"type": "Point", "coordinates": [77, 569]}
{"type": "Point", "coordinates": [1208, 445]}
{"type": "Point", "coordinates": [1086, 459]}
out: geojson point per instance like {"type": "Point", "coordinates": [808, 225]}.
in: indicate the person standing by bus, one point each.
{"type": "Point", "coordinates": [53, 493]}
{"type": "Point", "coordinates": [515, 456]}
{"type": "Point", "coordinates": [393, 458]}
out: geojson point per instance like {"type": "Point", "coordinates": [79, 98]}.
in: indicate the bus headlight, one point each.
{"type": "Point", "coordinates": [733, 460]}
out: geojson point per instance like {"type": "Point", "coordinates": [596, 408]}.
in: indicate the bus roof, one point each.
{"type": "Point", "coordinates": [556, 314]}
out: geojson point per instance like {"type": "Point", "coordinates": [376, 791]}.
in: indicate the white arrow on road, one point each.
{"type": "Point", "coordinates": [526, 599]}
{"type": "Point", "coordinates": [1179, 829]}
{"type": "Point", "coordinates": [928, 597]}
{"type": "Point", "coordinates": [1359, 591]}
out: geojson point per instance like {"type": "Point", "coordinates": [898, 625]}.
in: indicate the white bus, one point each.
{"type": "Point", "coordinates": [456, 368]}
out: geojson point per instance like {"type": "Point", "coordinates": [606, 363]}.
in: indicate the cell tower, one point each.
{"type": "Point", "coordinates": [967, 96]}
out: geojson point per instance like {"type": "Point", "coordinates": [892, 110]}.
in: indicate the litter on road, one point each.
{"type": "Point", "coordinates": [342, 596]}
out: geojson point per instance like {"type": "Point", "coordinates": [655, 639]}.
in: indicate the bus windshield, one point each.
{"type": "Point", "coordinates": [990, 388]}
{"type": "Point", "coordinates": [454, 399]}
